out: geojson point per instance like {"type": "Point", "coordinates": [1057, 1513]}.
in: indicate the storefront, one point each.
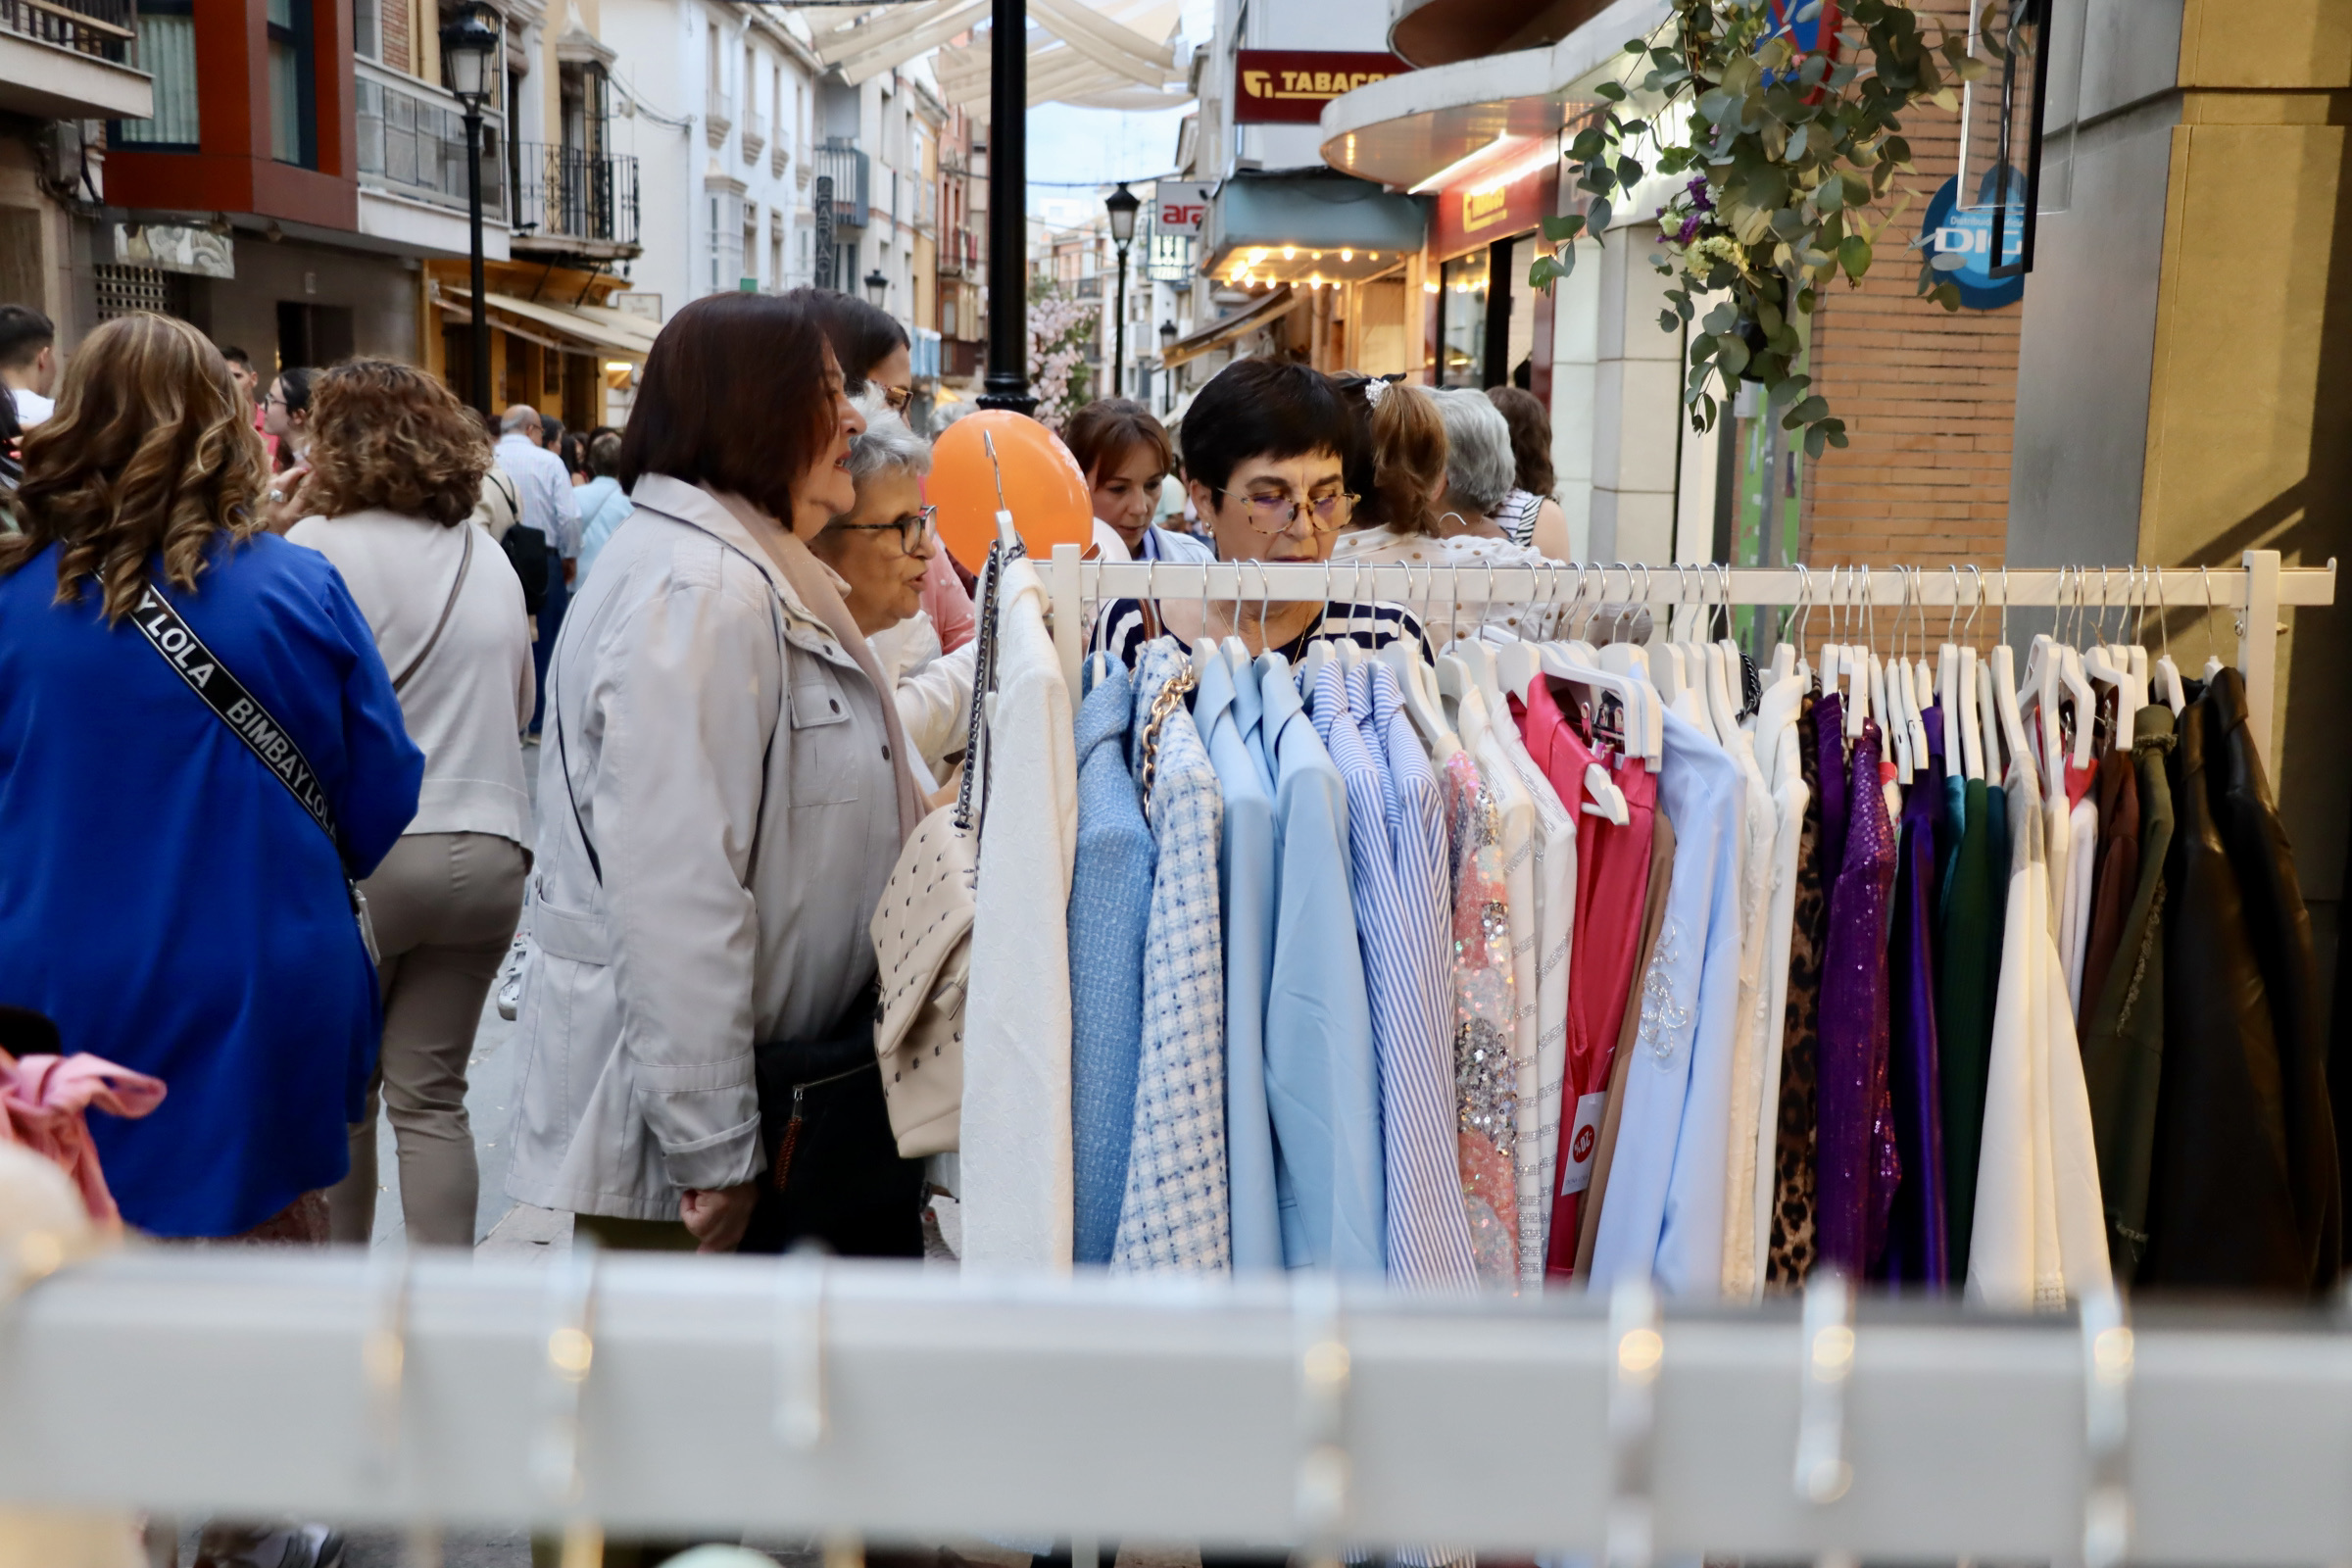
{"type": "Point", "coordinates": [1345, 244]}
{"type": "Point", "coordinates": [557, 341]}
{"type": "Point", "coordinates": [1489, 328]}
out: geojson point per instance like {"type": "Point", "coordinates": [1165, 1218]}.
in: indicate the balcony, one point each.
{"type": "Point", "coordinates": [569, 201]}
{"type": "Point", "coordinates": [777, 157]}
{"type": "Point", "coordinates": [413, 142]}
{"type": "Point", "coordinates": [718, 116]}
{"type": "Point", "coordinates": [846, 166]}
{"type": "Point", "coordinates": [73, 59]}
{"type": "Point", "coordinates": [755, 135]}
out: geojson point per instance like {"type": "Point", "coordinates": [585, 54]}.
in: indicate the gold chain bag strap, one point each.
{"type": "Point", "coordinates": [922, 932]}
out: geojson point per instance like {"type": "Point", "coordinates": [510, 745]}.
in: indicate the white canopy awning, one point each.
{"type": "Point", "coordinates": [1118, 57]}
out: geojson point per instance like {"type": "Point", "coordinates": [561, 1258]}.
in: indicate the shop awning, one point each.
{"type": "Point", "coordinates": [587, 333]}
{"type": "Point", "coordinates": [1418, 125]}
{"type": "Point", "coordinates": [1278, 304]}
{"type": "Point", "coordinates": [1301, 227]}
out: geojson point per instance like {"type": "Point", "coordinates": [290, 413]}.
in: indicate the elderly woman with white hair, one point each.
{"type": "Point", "coordinates": [881, 550]}
{"type": "Point", "coordinates": [1441, 461]}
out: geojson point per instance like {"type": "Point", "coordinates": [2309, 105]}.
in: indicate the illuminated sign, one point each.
{"type": "Point", "coordinates": [1291, 86]}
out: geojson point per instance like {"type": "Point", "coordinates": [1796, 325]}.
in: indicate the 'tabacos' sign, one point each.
{"type": "Point", "coordinates": [1952, 230]}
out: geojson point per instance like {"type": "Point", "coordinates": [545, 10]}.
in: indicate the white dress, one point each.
{"type": "Point", "coordinates": [2039, 1235]}
{"type": "Point", "coordinates": [1778, 740]}
{"type": "Point", "coordinates": [1442, 621]}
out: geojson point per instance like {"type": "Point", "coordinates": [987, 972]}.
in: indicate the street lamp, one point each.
{"type": "Point", "coordinates": [1167, 375]}
{"type": "Point", "coordinates": [1121, 205]}
{"type": "Point", "coordinates": [877, 288]}
{"type": "Point", "coordinates": [469, 50]}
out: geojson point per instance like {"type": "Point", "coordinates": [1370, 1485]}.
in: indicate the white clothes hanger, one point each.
{"type": "Point", "coordinates": [1861, 662]}
{"type": "Point", "coordinates": [2102, 666]}
{"type": "Point", "coordinates": [2004, 690]}
{"type": "Point", "coordinates": [1784, 652]}
{"type": "Point", "coordinates": [2212, 655]}
{"type": "Point", "coordinates": [2168, 674]}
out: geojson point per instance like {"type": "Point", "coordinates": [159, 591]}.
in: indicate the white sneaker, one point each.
{"type": "Point", "coordinates": [510, 978]}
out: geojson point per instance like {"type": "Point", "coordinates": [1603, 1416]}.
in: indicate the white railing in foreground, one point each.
{"type": "Point", "coordinates": [655, 1393]}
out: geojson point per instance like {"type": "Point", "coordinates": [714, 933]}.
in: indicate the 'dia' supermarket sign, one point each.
{"type": "Point", "coordinates": [1950, 230]}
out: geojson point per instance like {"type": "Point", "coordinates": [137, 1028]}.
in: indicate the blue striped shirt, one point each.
{"type": "Point", "coordinates": [1122, 627]}
{"type": "Point", "coordinates": [1402, 925]}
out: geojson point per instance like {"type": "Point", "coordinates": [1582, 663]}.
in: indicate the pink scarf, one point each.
{"type": "Point", "coordinates": [42, 1102]}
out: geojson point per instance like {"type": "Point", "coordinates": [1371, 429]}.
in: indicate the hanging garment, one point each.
{"type": "Point", "coordinates": [2115, 873]}
{"type": "Point", "coordinates": [1381, 545]}
{"type": "Point", "coordinates": [1123, 626]}
{"type": "Point", "coordinates": [1829, 734]}
{"type": "Point", "coordinates": [2123, 1038]}
{"type": "Point", "coordinates": [1916, 1250]}
{"type": "Point", "coordinates": [1653, 921]}
{"type": "Point", "coordinates": [1515, 813]}
{"type": "Point", "coordinates": [2243, 1192]}
{"type": "Point", "coordinates": [1612, 869]}
{"type": "Point", "coordinates": [1177, 1215]}
{"type": "Point", "coordinates": [1322, 1081]}
{"type": "Point", "coordinates": [1486, 1011]}
{"type": "Point", "coordinates": [1015, 1157]}
{"type": "Point", "coordinates": [1743, 1260]}
{"type": "Point", "coordinates": [1968, 952]}
{"type": "Point", "coordinates": [1855, 1146]}
{"type": "Point", "coordinates": [1110, 903]}
{"type": "Point", "coordinates": [1225, 711]}
{"type": "Point", "coordinates": [1665, 1213]}
{"type": "Point", "coordinates": [1792, 1231]}
{"type": "Point", "coordinates": [1778, 742]}
{"type": "Point", "coordinates": [2039, 1232]}
{"type": "Point", "coordinates": [1554, 876]}
{"type": "Point", "coordinates": [2082, 862]}
{"type": "Point", "coordinates": [1427, 1237]}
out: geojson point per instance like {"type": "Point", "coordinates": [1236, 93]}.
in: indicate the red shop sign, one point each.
{"type": "Point", "coordinates": [1291, 86]}
{"type": "Point", "coordinates": [1477, 213]}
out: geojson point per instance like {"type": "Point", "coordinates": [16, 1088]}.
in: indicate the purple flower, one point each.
{"type": "Point", "coordinates": [1700, 198]}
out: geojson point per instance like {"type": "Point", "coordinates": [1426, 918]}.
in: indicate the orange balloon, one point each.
{"type": "Point", "coordinates": [1044, 487]}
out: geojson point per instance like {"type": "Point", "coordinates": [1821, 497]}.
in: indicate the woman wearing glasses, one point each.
{"type": "Point", "coordinates": [1265, 447]}
{"type": "Point", "coordinates": [884, 549]}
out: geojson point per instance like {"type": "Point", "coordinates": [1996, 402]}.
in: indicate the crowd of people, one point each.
{"type": "Point", "coordinates": [731, 645]}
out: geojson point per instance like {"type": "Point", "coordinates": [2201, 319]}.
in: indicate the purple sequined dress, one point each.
{"type": "Point", "coordinates": [1858, 1164]}
{"type": "Point", "coordinates": [1916, 1247]}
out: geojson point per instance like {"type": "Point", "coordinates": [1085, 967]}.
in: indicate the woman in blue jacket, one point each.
{"type": "Point", "coordinates": [173, 891]}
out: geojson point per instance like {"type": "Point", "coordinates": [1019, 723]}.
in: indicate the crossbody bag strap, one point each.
{"type": "Point", "coordinates": [236, 706]}
{"type": "Point", "coordinates": [465, 565]}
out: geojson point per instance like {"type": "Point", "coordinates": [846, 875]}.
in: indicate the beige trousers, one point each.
{"type": "Point", "coordinates": [444, 906]}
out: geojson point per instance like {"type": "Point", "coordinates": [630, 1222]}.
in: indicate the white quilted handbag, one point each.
{"type": "Point", "coordinates": [922, 933]}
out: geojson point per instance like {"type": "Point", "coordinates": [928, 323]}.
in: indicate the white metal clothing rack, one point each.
{"type": "Point", "coordinates": [2260, 587]}
{"type": "Point", "coordinates": [662, 1394]}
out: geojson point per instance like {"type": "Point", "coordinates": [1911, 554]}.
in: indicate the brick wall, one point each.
{"type": "Point", "coordinates": [394, 23]}
{"type": "Point", "coordinates": [1929, 398]}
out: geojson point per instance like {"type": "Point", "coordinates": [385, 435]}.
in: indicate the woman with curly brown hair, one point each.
{"type": "Point", "coordinates": [199, 749]}
{"type": "Point", "coordinates": [397, 466]}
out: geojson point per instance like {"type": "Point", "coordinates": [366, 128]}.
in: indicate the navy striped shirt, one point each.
{"type": "Point", "coordinates": [1121, 628]}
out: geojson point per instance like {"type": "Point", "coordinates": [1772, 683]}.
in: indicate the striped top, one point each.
{"type": "Point", "coordinates": [1516, 516]}
{"type": "Point", "coordinates": [1122, 627]}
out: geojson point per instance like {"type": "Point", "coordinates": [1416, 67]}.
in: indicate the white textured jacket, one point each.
{"type": "Point", "coordinates": [727, 760]}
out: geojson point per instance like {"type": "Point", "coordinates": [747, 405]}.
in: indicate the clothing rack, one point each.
{"type": "Point", "coordinates": [794, 1395]}
{"type": "Point", "coordinates": [2260, 586]}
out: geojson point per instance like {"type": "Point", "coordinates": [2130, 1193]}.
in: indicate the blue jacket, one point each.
{"type": "Point", "coordinates": [1110, 901]}
{"type": "Point", "coordinates": [604, 506]}
{"type": "Point", "coordinates": [165, 899]}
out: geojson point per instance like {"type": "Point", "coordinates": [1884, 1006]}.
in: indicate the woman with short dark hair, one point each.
{"type": "Point", "coordinates": [175, 858]}
{"type": "Point", "coordinates": [399, 464]}
{"type": "Point", "coordinates": [723, 791]}
{"type": "Point", "coordinates": [603, 503]}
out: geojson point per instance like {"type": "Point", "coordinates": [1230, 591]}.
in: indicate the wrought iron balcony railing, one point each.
{"type": "Point", "coordinates": [570, 194]}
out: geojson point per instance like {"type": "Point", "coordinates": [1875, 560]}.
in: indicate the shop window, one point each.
{"type": "Point", "coordinates": [367, 30]}
{"type": "Point", "coordinates": [313, 334]}
{"type": "Point", "coordinates": [1463, 321]}
{"type": "Point", "coordinates": [550, 370]}
{"type": "Point", "coordinates": [293, 86]}
{"type": "Point", "coordinates": [132, 290]}
{"type": "Point", "coordinates": [167, 52]}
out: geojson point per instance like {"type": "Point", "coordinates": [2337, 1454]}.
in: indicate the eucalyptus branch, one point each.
{"type": "Point", "coordinates": [1794, 159]}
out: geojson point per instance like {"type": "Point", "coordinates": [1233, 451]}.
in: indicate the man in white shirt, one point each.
{"type": "Point", "coordinates": [28, 362]}
{"type": "Point", "coordinates": [549, 505]}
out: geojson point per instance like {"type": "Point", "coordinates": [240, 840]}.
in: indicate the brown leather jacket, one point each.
{"type": "Point", "coordinates": [2243, 1192]}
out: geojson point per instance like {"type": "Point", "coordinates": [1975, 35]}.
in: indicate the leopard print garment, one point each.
{"type": "Point", "coordinates": [1791, 1257]}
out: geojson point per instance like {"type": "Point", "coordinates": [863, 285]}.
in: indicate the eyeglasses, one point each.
{"type": "Point", "coordinates": [898, 397]}
{"type": "Point", "coordinates": [912, 529]}
{"type": "Point", "coordinates": [1276, 513]}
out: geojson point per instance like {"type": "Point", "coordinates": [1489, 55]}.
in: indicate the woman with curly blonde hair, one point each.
{"type": "Point", "coordinates": [199, 750]}
{"type": "Point", "coordinates": [397, 466]}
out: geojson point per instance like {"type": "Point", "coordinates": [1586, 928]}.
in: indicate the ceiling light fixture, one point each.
{"type": "Point", "coordinates": [1471, 160]}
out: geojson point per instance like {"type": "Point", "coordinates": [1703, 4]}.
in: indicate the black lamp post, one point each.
{"type": "Point", "coordinates": [1167, 372]}
{"type": "Point", "coordinates": [468, 55]}
{"type": "Point", "coordinates": [1007, 384]}
{"type": "Point", "coordinates": [1121, 205]}
{"type": "Point", "coordinates": [877, 288]}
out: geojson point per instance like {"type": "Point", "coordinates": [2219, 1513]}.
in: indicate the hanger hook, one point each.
{"type": "Point", "coordinates": [1803, 618]}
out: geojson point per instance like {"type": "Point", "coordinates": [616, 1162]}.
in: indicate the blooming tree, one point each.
{"type": "Point", "coordinates": [1059, 329]}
